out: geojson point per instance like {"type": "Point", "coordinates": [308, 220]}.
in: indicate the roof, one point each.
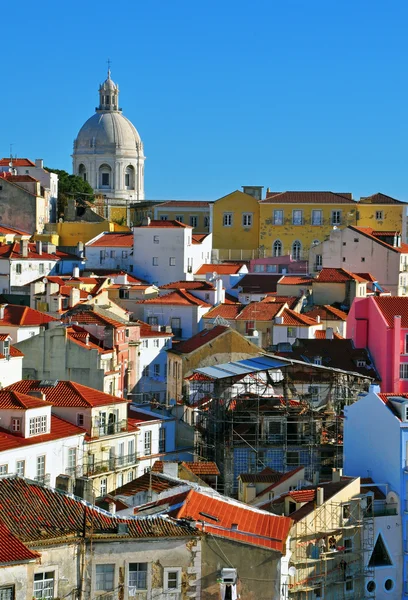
{"type": "Point", "coordinates": [66, 393]}
{"type": "Point", "coordinates": [220, 268]}
{"type": "Point", "coordinates": [17, 162]}
{"type": "Point", "coordinates": [240, 368]}
{"type": "Point", "coordinates": [4, 229]}
{"type": "Point", "coordinates": [337, 275]}
{"type": "Point", "coordinates": [224, 311]}
{"type": "Point", "coordinates": [199, 339]}
{"type": "Point", "coordinates": [81, 315]}
{"type": "Point", "coordinates": [17, 315]}
{"type": "Point", "coordinates": [148, 481]}
{"type": "Point", "coordinates": [188, 285]}
{"type": "Point", "coordinates": [13, 251]}
{"type": "Point", "coordinates": [114, 239]}
{"type": "Point", "coordinates": [183, 203]}
{"type": "Point", "coordinates": [12, 550]}
{"type": "Point", "coordinates": [295, 280]}
{"type": "Point", "coordinates": [267, 475]}
{"type": "Point", "coordinates": [309, 198]}
{"type": "Point", "coordinates": [50, 514]}
{"type": "Point", "coordinates": [327, 313]}
{"type": "Point", "coordinates": [59, 429]}
{"type": "Point", "coordinates": [307, 495]}
{"type": "Point", "coordinates": [368, 485]}
{"type": "Point", "coordinates": [21, 178]}
{"type": "Point", "coordinates": [11, 400]}
{"type": "Point", "coordinates": [147, 330]}
{"type": "Point", "coordinates": [393, 306]}
{"type": "Point", "coordinates": [377, 236]}
{"type": "Point", "coordinates": [256, 283]}
{"type": "Point", "coordinates": [282, 478]}
{"type": "Point", "coordinates": [226, 518]}
{"type": "Point", "coordinates": [198, 467]}
{"type": "Point", "coordinates": [83, 338]}
{"type": "Point", "coordinates": [290, 317]}
{"type": "Point", "coordinates": [321, 334]}
{"type": "Point", "coordinates": [179, 297]}
{"type": "Point", "coordinates": [164, 225]}
{"type": "Point", "coordinates": [260, 311]}
{"type": "Point", "coordinates": [379, 198]}
{"type": "Point", "coordinates": [198, 238]}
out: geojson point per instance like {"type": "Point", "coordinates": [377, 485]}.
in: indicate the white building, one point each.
{"type": "Point", "coordinates": [152, 365]}
{"type": "Point", "coordinates": [11, 361]}
{"type": "Point", "coordinates": [110, 251]}
{"type": "Point", "coordinates": [165, 251]}
{"type": "Point", "coordinates": [108, 151]}
{"type": "Point", "coordinates": [22, 322]}
{"type": "Point", "coordinates": [289, 326]}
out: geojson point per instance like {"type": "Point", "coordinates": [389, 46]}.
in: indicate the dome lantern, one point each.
{"type": "Point", "coordinates": [108, 95]}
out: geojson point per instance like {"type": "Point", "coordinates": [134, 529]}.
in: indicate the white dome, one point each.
{"type": "Point", "coordinates": [107, 130]}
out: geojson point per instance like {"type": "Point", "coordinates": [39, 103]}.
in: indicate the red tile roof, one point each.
{"type": "Point", "coordinates": [50, 514]}
{"type": "Point", "coordinates": [19, 316]}
{"type": "Point", "coordinates": [309, 198]}
{"type": "Point", "coordinates": [183, 203]}
{"type": "Point", "coordinates": [260, 311]}
{"type": "Point", "coordinates": [12, 550]}
{"type": "Point", "coordinates": [337, 275]}
{"type": "Point", "coordinates": [290, 317]}
{"type": "Point", "coordinates": [90, 316]}
{"type": "Point", "coordinates": [16, 401]}
{"type": "Point", "coordinates": [14, 251]}
{"type": "Point", "coordinates": [377, 237]}
{"type": "Point", "coordinates": [267, 475]}
{"type": "Point", "coordinates": [199, 339]}
{"type": "Point", "coordinates": [59, 429]}
{"type": "Point", "coordinates": [188, 285]}
{"type": "Point", "coordinates": [83, 338]}
{"type": "Point", "coordinates": [379, 199]}
{"type": "Point", "coordinates": [222, 517]}
{"type": "Point", "coordinates": [198, 467]}
{"type": "Point", "coordinates": [147, 481]}
{"type": "Point", "coordinates": [226, 311]}
{"type": "Point", "coordinates": [283, 477]}
{"type": "Point", "coordinates": [327, 313]}
{"type": "Point", "coordinates": [114, 239]}
{"type": "Point", "coordinates": [165, 225]}
{"type": "Point", "coordinates": [302, 495]}
{"type": "Point", "coordinates": [179, 297]}
{"type": "Point", "coordinates": [320, 334]}
{"type": "Point", "coordinates": [291, 301]}
{"type": "Point", "coordinates": [147, 330]}
{"type": "Point", "coordinates": [66, 393]}
{"type": "Point", "coordinates": [198, 238]}
{"type": "Point", "coordinates": [220, 269]}
{"type": "Point", "coordinates": [17, 162]}
{"type": "Point", "coordinates": [4, 229]}
{"type": "Point", "coordinates": [295, 280]}
{"type": "Point", "coordinates": [393, 306]}
{"type": "Point", "coordinates": [20, 178]}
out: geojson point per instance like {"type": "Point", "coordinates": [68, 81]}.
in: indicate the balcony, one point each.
{"type": "Point", "coordinates": [383, 510]}
{"type": "Point", "coordinates": [111, 464]}
{"type": "Point", "coordinates": [109, 429]}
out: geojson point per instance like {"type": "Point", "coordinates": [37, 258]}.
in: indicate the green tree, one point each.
{"type": "Point", "coordinates": [71, 186]}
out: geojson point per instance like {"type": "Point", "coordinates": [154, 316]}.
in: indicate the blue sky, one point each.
{"type": "Point", "coordinates": [288, 94]}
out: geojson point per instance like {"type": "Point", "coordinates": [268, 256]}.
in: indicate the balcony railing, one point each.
{"type": "Point", "coordinates": [43, 479]}
{"type": "Point", "coordinates": [109, 428]}
{"type": "Point", "coordinates": [111, 464]}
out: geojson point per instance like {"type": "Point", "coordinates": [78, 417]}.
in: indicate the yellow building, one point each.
{"type": "Point", "coordinates": [235, 224]}
{"type": "Point", "coordinates": [194, 213]}
{"type": "Point", "coordinates": [382, 213]}
{"type": "Point", "coordinates": [70, 233]}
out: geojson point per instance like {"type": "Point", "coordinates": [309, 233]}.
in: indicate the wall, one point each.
{"type": "Point", "coordinates": [280, 333]}
{"type": "Point", "coordinates": [190, 316]}
{"type": "Point", "coordinates": [11, 370]}
{"type": "Point", "coordinates": [105, 257]}
{"type": "Point", "coordinates": [186, 212]}
{"type": "Point", "coordinates": [18, 208]}
{"type": "Point", "coordinates": [152, 351]}
{"type": "Point", "coordinates": [236, 236]}
{"type": "Point", "coordinates": [393, 216]}
{"type": "Point", "coordinates": [19, 333]}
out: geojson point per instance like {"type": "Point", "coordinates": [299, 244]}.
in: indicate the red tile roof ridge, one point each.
{"type": "Point", "coordinates": [337, 275]}
{"type": "Point", "coordinates": [225, 311]}
{"type": "Point", "coordinates": [10, 399]}
{"type": "Point", "coordinates": [369, 232]}
{"type": "Point", "coordinates": [112, 239]}
{"type": "Point", "coordinates": [322, 311]}
{"type": "Point", "coordinates": [295, 280]}
{"type": "Point", "coordinates": [179, 296]}
{"type": "Point", "coordinates": [17, 162]}
{"type": "Point", "coordinates": [219, 268]}
{"type": "Point", "coordinates": [15, 314]}
{"type": "Point", "coordinates": [184, 203]}
{"type": "Point", "coordinates": [309, 197]}
{"type": "Point", "coordinates": [199, 339]}
{"type": "Point", "coordinates": [290, 317]}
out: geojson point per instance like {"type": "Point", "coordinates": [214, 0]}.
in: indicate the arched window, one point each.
{"type": "Point", "coordinates": [296, 250]}
{"type": "Point", "coordinates": [130, 178]}
{"type": "Point", "coordinates": [105, 177]}
{"type": "Point", "coordinates": [277, 248]}
{"type": "Point", "coordinates": [82, 171]}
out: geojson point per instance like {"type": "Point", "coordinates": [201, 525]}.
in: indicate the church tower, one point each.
{"type": "Point", "coordinates": [108, 151]}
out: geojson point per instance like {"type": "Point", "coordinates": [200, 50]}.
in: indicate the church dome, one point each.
{"type": "Point", "coordinates": [106, 130]}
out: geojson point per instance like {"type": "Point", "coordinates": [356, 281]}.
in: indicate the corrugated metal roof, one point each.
{"type": "Point", "coordinates": [241, 367]}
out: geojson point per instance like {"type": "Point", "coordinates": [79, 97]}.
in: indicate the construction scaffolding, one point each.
{"type": "Point", "coordinates": [271, 412]}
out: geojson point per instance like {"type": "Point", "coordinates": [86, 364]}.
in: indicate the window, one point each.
{"type": "Point", "coordinates": [7, 591]}
{"type": "Point", "coordinates": [157, 370]}
{"type": "Point", "coordinates": [156, 239]}
{"type": "Point", "coordinates": [348, 545]}
{"type": "Point", "coordinates": [127, 179]}
{"type": "Point", "coordinates": [18, 269]}
{"type": "Point", "coordinates": [137, 577]}
{"type": "Point", "coordinates": [380, 556]}
{"type": "Point", "coordinates": [277, 248]}
{"type": "Point", "coordinates": [319, 260]}
{"type": "Point", "coordinates": [336, 217]}
{"type": "Point", "coordinates": [317, 217]}
{"type": "Point", "coordinates": [346, 511]}
{"type": "Point", "coordinates": [292, 458]}
{"type": "Point", "coordinates": [362, 259]}
{"type": "Point", "coordinates": [155, 261]}
{"type": "Point", "coordinates": [361, 363]}
{"type": "Point", "coordinates": [41, 268]}
{"type": "Point", "coordinates": [80, 419]}
{"type": "Point", "coordinates": [40, 472]}
{"type": "Point", "coordinates": [129, 476]}
{"type": "Point", "coordinates": [297, 217]}
{"type": "Point", "coordinates": [163, 217]}
{"type": "Point", "coordinates": [146, 371]}
{"type": "Point", "coordinates": [317, 360]}
{"type": "Point", "coordinates": [206, 221]}
{"type": "Point", "coordinates": [291, 332]}
{"type": "Point", "coordinates": [38, 425]}
{"type": "Point", "coordinates": [247, 220]}
{"type": "Point", "coordinates": [275, 427]}
{"type": "Point", "coordinates": [388, 585]}
{"type": "Point", "coordinates": [172, 261]}
{"type": "Point", "coordinates": [3, 469]}
{"type": "Point", "coordinates": [105, 577]}
{"type": "Point", "coordinates": [193, 221]}
{"type": "Point", "coordinates": [112, 254]}
{"type": "Point", "coordinates": [162, 439]}
{"type": "Point", "coordinates": [371, 585]}
{"type": "Point", "coordinates": [271, 268]}
{"type": "Point", "coordinates": [44, 585]}
{"type": "Point", "coordinates": [379, 215]}
{"type": "Point", "coordinates": [156, 343]}
{"type": "Point", "coordinates": [16, 424]}
{"type": "Point", "coordinates": [72, 459]}
{"type": "Point", "coordinates": [172, 579]}
{"type": "Point", "coordinates": [180, 218]}
{"type": "Point", "coordinates": [227, 220]}
{"type": "Point", "coordinates": [278, 217]}
{"type": "Point", "coordinates": [103, 486]}
{"type": "Point", "coordinates": [105, 179]}
{"type": "Point", "coordinates": [20, 468]}
{"type": "Point", "coordinates": [124, 294]}
{"type": "Point", "coordinates": [152, 321]}
{"type": "Point", "coordinates": [296, 250]}
{"type": "Point", "coordinates": [404, 371]}
{"type": "Point", "coordinates": [147, 443]}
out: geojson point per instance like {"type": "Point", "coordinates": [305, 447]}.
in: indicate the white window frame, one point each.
{"type": "Point", "coordinates": [336, 217]}
{"type": "Point", "coordinates": [296, 212]}
{"type": "Point", "coordinates": [247, 219]}
{"type": "Point", "coordinates": [145, 572]}
{"type": "Point", "coordinates": [4, 595]}
{"type": "Point", "coordinates": [278, 216]}
{"type": "Point", "coordinates": [20, 468]}
{"type": "Point", "coordinates": [166, 572]}
{"type": "Point", "coordinates": [180, 218]}
{"type": "Point", "coordinates": [103, 486]}
{"type": "Point", "coordinates": [147, 442]}
{"type": "Point", "coordinates": [4, 469]}
{"type": "Point", "coordinates": [227, 219]}
{"type": "Point", "coordinates": [172, 261]}
{"type": "Point", "coordinates": [290, 329]}
{"type": "Point", "coordinates": [98, 584]}
{"type": "Point", "coordinates": [44, 588]}
{"type": "Point", "coordinates": [194, 221]}
{"type": "Point", "coordinates": [317, 213]}
{"type": "Point", "coordinates": [155, 261]}
{"type": "Point", "coordinates": [404, 370]}
{"type": "Point", "coordinates": [40, 466]}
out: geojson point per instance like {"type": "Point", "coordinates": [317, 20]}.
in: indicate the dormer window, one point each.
{"type": "Point", "coordinates": [317, 360]}
{"type": "Point", "coordinates": [6, 348]}
{"type": "Point", "coordinates": [38, 425]}
{"type": "Point", "coordinates": [16, 424]}
{"type": "Point", "coordinates": [361, 363]}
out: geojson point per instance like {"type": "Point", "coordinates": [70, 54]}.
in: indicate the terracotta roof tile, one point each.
{"type": "Point", "coordinates": [284, 477]}
{"type": "Point", "coordinates": [220, 269]}
{"type": "Point", "coordinates": [59, 429]}
{"type": "Point", "coordinates": [377, 237]}
{"type": "Point", "coordinates": [226, 311]}
{"type": "Point", "coordinates": [83, 338]}
{"type": "Point", "coordinates": [333, 275]}
{"type": "Point", "coordinates": [188, 285]}
{"type": "Point", "coordinates": [393, 306]}
{"type": "Point", "coordinates": [16, 315]}
{"type": "Point", "coordinates": [17, 162]}
{"type": "Point", "coordinates": [290, 317]}
{"type": "Point", "coordinates": [90, 316]}
{"type": "Point", "coordinates": [327, 312]}
{"type": "Point", "coordinates": [295, 280]}
{"type": "Point", "coordinates": [4, 229]}
{"type": "Point", "coordinates": [179, 297]}
{"type": "Point", "coordinates": [267, 475]}
{"type": "Point", "coordinates": [198, 467]}
{"type": "Point", "coordinates": [200, 339]}
{"type": "Point", "coordinates": [379, 199]}
{"type": "Point", "coordinates": [260, 311]}
{"type": "Point", "coordinates": [13, 251]}
{"type": "Point", "coordinates": [66, 393]}
{"type": "Point", "coordinates": [147, 330]}
{"type": "Point", "coordinates": [320, 334]}
{"type": "Point", "coordinates": [165, 225]}
{"type": "Point", "coordinates": [303, 495]}
{"type": "Point", "coordinates": [115, 239]}
{"type": "Point", "coordinates": [309, 198]}
{"type": "Point", "coordinates": [146, 482]}
{"type": "Point", "coordinates": [17, 401]}
{"type": "Point", "coordinates": [12, 550]}
{"type": "Point", "coordinates": [198, 238]}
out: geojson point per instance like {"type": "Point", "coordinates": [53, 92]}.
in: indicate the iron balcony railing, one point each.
{"type": "Point", "coordinates": [108, 428]}
{"type": "Point", "coordinates": [111, 464]}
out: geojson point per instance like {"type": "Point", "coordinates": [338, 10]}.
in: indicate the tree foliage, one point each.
{"type": "Point", "coordinates": [71, 186]}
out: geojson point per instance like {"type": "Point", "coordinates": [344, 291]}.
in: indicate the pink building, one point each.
{"type": "Point", "coordinates": [381, 325]}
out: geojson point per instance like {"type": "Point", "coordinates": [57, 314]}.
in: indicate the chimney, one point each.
{"type": "Point", "coordinates": [74, 297]}
{"type": "Point", "coordinates": [87, 339]}
{"type": "Point", "coordinates": [218, 291]}
{"type": "Point", "coordinates": [2, 307]}
{"type": "Point", "coordinates": [112, 507]}
{"type": "Point", "coordinates": [36, 394]}
{"type": "Point", "coordinates": [319, 496]}
{"type": "Point", "coordinates": [170, 468]}
{"type": "Point", "coordinates": [75, 272]}
{"type": "Point", "coordinates": [337, 474]}
{"type": "Point", "coordinates": [146, 221]}
{"type": "Point", "coordinates": [80, 250]}
{"type": "Point", "coordinates": [329, 333]}
{"type": "Point", "coordinates": [121, 279]}
{"type": "Point", "coordinates": [38, 246]}
{"type": "Point", "coordinates": [39, 163]}
{"type": "Point", "coordinates": [24, 248]}
{"type": "Point", "coordinates": [318, 319]}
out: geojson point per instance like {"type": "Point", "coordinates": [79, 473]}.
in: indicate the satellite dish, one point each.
{"type": "Point", "coordinates": [44, 280]}
{"type": "Point", "coordinates": [214, 274]}
{"type": "Point", "coordinates": [334, 227]}
{"type": "Point", "coordinates": [89, 296]}
{"type": "Point", "coordinates": [255, 333]}
{"type": "Point", "coordinates": [292, 571]}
